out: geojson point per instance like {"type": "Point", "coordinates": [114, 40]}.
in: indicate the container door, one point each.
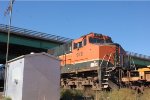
{"type": "Point", "coordinates": [147, 76]}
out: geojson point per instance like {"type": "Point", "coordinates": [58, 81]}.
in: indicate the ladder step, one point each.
{"type": "Point", "coordinates": [107, 75]}
{"type": "Point", "coordinates": [105, 79]}
{"type": "Point", "coordinates": [109, 70]}
{"type": "Point", "coordinates": [105, 86]}
{"type": "Point", "coordinates": [105, 83]}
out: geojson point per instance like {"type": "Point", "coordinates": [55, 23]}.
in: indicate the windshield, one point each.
{"type": "Point", "coordinates": [134, 74]}
{"type": "Point", "coordinates": [98, 40]}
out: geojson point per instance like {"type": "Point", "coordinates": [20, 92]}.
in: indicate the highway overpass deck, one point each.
{"type": "Point", "coordinates": [24, 41]}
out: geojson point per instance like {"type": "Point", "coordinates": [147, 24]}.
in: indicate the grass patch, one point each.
{"type": "Point", "coordinates": [71, 95]}
{"type": "Point", "coordinates": [121, 94]}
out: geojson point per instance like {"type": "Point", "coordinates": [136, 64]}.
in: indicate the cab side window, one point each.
{"type": "Point", "coordinates": [80, 44]}
{"type": "Point", "coordinates": [75, 45]}
{"type": "Point", "coordinates": [84, 42]}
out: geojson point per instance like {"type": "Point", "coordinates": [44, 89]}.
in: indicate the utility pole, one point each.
{"type": "Point", "coordinates": [8, 11]}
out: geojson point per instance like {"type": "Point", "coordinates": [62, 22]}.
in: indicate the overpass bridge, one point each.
{"type": "Point", "coordinates": [139, 60]}
{"type": "Point", "coordinates": [24, 41]}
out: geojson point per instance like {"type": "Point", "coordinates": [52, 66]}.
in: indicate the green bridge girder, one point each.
{"type": "Point", "coordinates": [23, 41]}
{"type": "Point", "coordinates": [141, 62]}
{"type": "Point", "coordinates": [138, 59]}
{"type": "Point", "coordinates": [35, 45]}
{"type": "Point", "coordinates": [30, 42]}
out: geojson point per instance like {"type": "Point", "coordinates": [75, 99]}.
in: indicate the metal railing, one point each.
{"type": "Point", "coordinates": [138, 55]}
{"type": "Point", "coordinates": [34, 34]}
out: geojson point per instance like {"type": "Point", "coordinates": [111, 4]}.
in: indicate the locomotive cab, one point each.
{"type": "Point", "coordinates": [144, 73]}
{"type": "Point", "coordinates": [90, 52]}
{"type": "Point", "coordinates": [92, 38]}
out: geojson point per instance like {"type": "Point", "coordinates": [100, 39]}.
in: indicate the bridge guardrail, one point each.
{"type": "Point", "coordinates": [138, 55]}
{"type": "Point", "coordinates": [34, 34]}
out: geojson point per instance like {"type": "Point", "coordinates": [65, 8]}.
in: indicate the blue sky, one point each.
{"type": "Point", "coordinates": [128, 23]}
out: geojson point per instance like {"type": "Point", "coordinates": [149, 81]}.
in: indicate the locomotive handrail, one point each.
{"type": "Point", "coordinates": [138, 55]}
{"type": "Point", "coordinates": [34, 34]}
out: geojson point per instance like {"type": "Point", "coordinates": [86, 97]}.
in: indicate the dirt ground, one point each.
{"type": "Point", "coordinates": [1, 94]}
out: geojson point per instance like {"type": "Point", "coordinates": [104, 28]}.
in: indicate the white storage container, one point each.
{"type": "Point", "coordinates": [33, 77]}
